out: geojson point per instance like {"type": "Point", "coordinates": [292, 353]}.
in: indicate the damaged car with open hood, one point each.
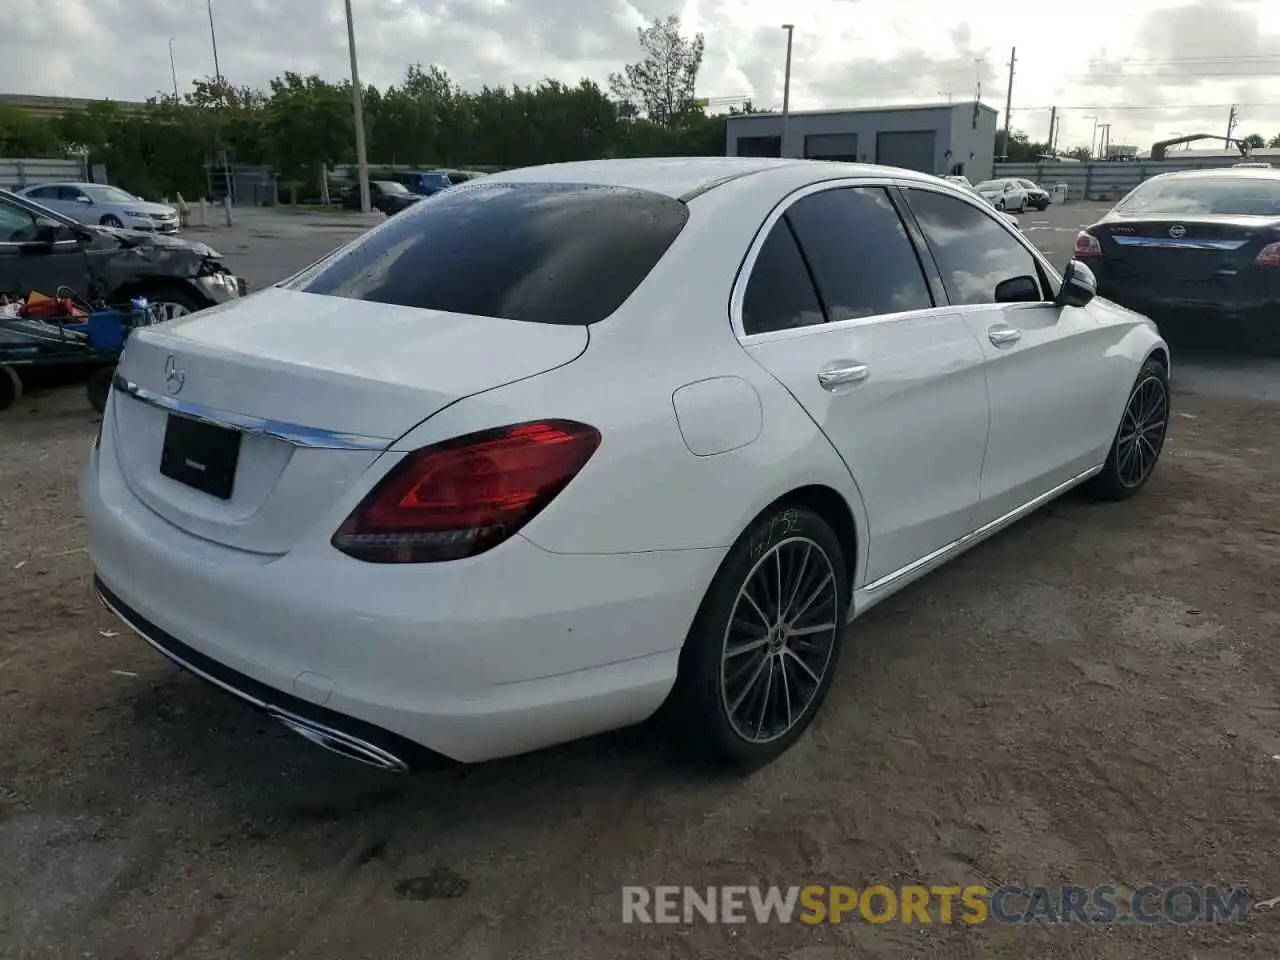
{"type": "Point", "coordinates": [42, 251]}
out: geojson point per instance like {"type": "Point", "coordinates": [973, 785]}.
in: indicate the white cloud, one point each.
{"type": "Point", "coordinates": [847, 52]}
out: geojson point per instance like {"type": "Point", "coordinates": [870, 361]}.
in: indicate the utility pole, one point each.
{"type": "Point", "coordinates": [1053, 127]}
{"type": "Point", "coordinates": [217, 70]}
{"type": "Point", "coordinates": [1232, 118]}
{"type": "Point", "coordinates": [173, 70]}
{"type": "Point", "coordinates": [362, 158]}
{"type": "Point", "coordinates": [786, 91]}
{"type": "Point", "coordinates": [1008, 99]}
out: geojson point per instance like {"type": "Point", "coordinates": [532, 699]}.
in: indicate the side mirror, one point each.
{"type": "Point", "coordinates": [1018, 290]}
{"type": "Point", "coordinates": [1079, 285]}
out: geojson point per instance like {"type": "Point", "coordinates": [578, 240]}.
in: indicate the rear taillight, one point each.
{"type": "Point", "coordinates": [1269, 256]}
{"type": "Point", "coordinates": [465, 496]}
{"type": "Point", "coordinates": [1087, 245]}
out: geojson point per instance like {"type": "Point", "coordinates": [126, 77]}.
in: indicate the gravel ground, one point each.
{"type": "Point", "coordinates": [1088, 698]}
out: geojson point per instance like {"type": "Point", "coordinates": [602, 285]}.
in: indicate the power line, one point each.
{"type": "Point", "coordinates": [1174, 76]}
{"type": "Point", "coordinates": [1152, 106]}
{"type": "Point", "coordinates": [1153, 61]}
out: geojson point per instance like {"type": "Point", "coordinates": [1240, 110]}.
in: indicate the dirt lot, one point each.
{"type": "Point", "coordinates": [1091, 697]}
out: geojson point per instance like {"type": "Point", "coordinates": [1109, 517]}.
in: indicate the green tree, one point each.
{"type": "Point", "coordinates": [22, 135]}
{"type": "Point", "coordinates": [308, 123]}
{"type": "Point", "coordinates": [1255, 141]}
{"type": "Point", "coordinates": [1275, 141]}
{"type": "Point", "coordinates": [661, 85]}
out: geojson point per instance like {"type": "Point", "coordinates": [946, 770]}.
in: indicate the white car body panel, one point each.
{"type": "Point", "coordinates": [136, 214]}
{"type": "Point", "coordinates": [575, 625]}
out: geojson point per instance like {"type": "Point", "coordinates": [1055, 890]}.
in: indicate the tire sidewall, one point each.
{"type": "Point", "coordinates": [1111, 471]}
{"type": "Point", "coordinates": [701, 658]}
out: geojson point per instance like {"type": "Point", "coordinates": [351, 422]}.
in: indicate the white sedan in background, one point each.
{"type": "Point", "coordinates": [527, 462]}
{"type": "Point", "coordinates": [104, 205]}
{"type": "Point", "coordinates": [1004, 194]}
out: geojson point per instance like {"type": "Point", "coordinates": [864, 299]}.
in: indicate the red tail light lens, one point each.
{"type": "Point", "coordinates": [1087, 245]}
{"type": "Point", "coordinates": [1269, 256]}
{"type": "Point", "coordinates": [465, 496]}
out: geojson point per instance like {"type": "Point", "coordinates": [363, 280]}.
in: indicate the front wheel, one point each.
{"type": "Point", "coordinates": [1139, 439]}
{"type": "Point", "coordinates": [111, 221]}
{"type": "Point", "coordinates": [10, 386]}
{"type": "Point", "coordinates": [763, 649]}
{"type": "Point", "coordinates": [169, 303]}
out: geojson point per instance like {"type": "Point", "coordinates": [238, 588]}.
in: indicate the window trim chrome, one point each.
{"type": "Point", "coordinates": [296, 434]}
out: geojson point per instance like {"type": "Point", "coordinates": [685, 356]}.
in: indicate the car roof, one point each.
{"type": "Point", "coordinates": [683, 178]}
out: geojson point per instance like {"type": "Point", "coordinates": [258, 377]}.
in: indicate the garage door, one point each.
{"type": "Point", "coordinates": [831, 146]}
{"type": "Point", "coordinates": [759, 146]}
{"type": "Point", "coordinates": [912, 149]}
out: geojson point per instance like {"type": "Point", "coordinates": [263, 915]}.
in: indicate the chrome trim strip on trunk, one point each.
{"type": "Point", "coordinates": [296, 434]}
{"type": "Point", "coordinates": [330, 739]}
{"type": "Point", "coordinates": [983, 531]}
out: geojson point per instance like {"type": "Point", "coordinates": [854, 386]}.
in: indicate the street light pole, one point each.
{"type": "Point", "coordinates": [362, 159]}
{"type": "Point", "coordinates": [786, 91]}
{"type": "Point", "coordinates": [173, 70]}
{"type": "Point", "coordinates": [217, 70]}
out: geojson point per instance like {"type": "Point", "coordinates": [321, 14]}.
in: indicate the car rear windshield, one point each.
{"type": "Point", "coordinates": [1224, 196]}
{"type": "Point", "coordinates": [539, 252]}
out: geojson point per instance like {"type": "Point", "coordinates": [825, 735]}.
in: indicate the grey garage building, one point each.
{"type": "Point", "coordinates": [938, 138]}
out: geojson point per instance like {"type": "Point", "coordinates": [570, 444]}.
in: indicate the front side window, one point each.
{"type": "Point", "coordinates": [538, 252]}
{"type": "Point", "coordinates": [974, 252]}
{"type": "Point", "coordinates": [857, 247]}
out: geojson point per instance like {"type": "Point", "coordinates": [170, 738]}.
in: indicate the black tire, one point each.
{"type": "Point", "coordinates": [10, 387]}
{"type": "Point", "coordinates": [110, 221]}
{"type": "Point", "coordinates": [704, 720]}
{"type": "Point", "coordinates": [1119, 480]}
{"type": "Point", "coordinates": [98, 388]}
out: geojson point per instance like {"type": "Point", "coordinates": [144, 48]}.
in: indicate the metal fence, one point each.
{"type": "Point", "coordinates": [1109, 180]}
{"type": "Point", "coordinates": [15, 174]}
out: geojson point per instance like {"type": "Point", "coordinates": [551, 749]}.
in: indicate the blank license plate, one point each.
{"type": "Point", "coordinates": [201, 455]}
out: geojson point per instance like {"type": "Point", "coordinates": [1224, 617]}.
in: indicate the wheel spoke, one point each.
{"type": "Point", "coordinates": [750, 685]}
{"type": "Point", "coordinates": [786, 688]}
{"type": "Point", "coordinates": [746, 595]}
{"type": "Point", "coordinates": [800, 576]}
{"type": "Point", "coordinates": [747, 646]}
{"type": "Point", "coordinates": [805, 631]}
{"type": "Point", "coordinates": [817, 591]}
{"type": "Point", "coordinates": [791, 654]}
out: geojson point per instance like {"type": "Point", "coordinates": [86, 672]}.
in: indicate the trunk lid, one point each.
{"type": "Point", "coordinates": [315, 388]}
{"type": "Point", "coordinates": [1182, 249]}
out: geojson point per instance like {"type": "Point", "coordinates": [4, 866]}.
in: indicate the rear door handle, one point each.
{"type": "Point", "coordinates": [841, 374]}
{"type": "Point", "coordinates": [1003, 336]}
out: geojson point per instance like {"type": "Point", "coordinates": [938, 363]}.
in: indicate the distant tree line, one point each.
{"type": "Point", "coordinates": [300, 123]}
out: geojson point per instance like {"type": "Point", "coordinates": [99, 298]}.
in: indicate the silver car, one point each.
{"type": "Point", "coordinates": [99, 203]}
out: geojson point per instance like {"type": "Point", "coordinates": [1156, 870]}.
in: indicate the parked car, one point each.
{"type": "Point", "coordinates": [1003, 194]}
{"type": "Point", "coordinates": [964, 184]}
{"type": "Point", "coordinates": [1197, 249]}
{"type": "Point", "coordinates": [384, 195]}
{"type": "Point", "coordinates": [104, 205]}
{"type": "Point", "coordinates": [42, 250]}
{"type": "Point", "coordinates": [426, 183]}
{"type": "Point", "coordinates": [1037, 196]}
{"type": "Point", "coordinates": [536, 485]}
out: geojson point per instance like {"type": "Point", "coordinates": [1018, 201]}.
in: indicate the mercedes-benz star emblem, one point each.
{"type": "Point", "coordinates": [1177, 231]}
{"type": "Point", "coordinates": [173, 375]}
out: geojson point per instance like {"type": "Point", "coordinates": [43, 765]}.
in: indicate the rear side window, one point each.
{"type": "Point", "coordinates": [858, 249]}
{"type": "Point", "coordinates": [780, 294]}
{"type": "Point", "coordinates": [539, 252]}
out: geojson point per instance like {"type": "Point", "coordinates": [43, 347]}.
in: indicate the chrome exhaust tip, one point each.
{"type": "Point", "coordinates": [341, 743]}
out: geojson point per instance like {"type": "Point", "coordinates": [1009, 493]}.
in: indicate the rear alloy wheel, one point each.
{"type": "Point", "coordinates": [763, 649]}
{"type": "Point", "coordinates": [111, 221]}
{"type": "Point", "coordinates": [1139, 439]}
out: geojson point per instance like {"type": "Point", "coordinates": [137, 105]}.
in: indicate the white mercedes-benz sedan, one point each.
{"type": "Point", "coordinates": [557, 448]}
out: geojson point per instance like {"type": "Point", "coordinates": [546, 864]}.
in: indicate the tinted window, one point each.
{"type": "Point", "coordinates": [16, 225]}
{"type": "Point", "coordinates": [43, 193]}
{"type": "Point", "coordinates": [1230, 196]}
{"type": "Point", "coordinates": [541, 252]}
{"type": "Point", "coordinates": [780, 294]}
{"type": "Point", "coordinates": [974, 252]}
{"type": "Point", "coordinates": [859, 252]}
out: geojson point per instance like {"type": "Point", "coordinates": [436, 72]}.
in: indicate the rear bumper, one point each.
{"type": "Point", "coordinates": [508, 652]}
{"type": "Point", "coordinates": [1213, 316]}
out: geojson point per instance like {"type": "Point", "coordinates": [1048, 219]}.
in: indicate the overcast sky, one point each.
{"type": "Point", "coordinates": [1152, 68]}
